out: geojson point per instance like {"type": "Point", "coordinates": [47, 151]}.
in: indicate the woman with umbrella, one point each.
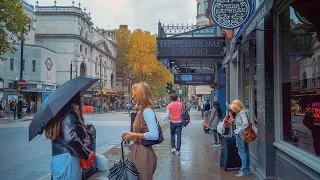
{"type": "Point", "coordinates": [60, 116]}
{"type": "Point", "coordinates": [144, 128]}
{"type": "Point", "coordinates": [66, 130]}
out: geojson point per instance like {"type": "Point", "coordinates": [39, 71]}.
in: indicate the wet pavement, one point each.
{"type": "Point", "coordinates": [198, 159]}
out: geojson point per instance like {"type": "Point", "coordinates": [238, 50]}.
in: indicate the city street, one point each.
{"type": "Point", "coordinates": [22, 159]}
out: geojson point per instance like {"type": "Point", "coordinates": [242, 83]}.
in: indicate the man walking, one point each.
{"type": "Point", "coordinates": [174, 112]}
{"type": "Point", "coordinates": [2, 106]}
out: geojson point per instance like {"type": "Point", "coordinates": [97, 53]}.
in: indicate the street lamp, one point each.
{"type": "Point", "coordinates": [20, 114]}
{"type": "Point", "coordinates": [71, 65]}
{"type": "Point", "coordinates": [101, 83]}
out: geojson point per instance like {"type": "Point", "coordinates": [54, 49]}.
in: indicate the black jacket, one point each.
{"type": "Point", "coordinates": [207, 107]}
{"type": "Point", "coordinates": [70, 140]}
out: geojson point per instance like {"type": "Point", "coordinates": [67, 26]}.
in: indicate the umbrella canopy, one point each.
{"type": "Point", "coordinates": [123, 170]}
{"type": "Point", "coordinates": [56, 101]}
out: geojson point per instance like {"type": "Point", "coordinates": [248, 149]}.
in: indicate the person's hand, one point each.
{"type": "Point", "coordinates": [128, 136]}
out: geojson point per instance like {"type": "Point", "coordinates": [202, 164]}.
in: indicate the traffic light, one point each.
{"type": "Point", "coordinates": [169, 88]}
{"type": "Point", "coordinates": [15, 85]}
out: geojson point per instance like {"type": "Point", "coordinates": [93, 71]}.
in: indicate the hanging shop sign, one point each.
{"type": "Point", "coordinates": [190, 48]}
{"type": "Point", "coordinates": [230, 14]}
{"type": "Point", "coordinates": [193, 79]}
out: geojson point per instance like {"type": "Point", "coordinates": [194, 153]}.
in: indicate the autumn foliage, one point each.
{"type": "Point", "coordinates": [137, 60]}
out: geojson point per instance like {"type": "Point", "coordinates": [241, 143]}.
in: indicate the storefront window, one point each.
{"type": "Point", "coordinates": [299, 55]}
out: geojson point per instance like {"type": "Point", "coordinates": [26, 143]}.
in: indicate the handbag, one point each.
{"type": "Point", "coordinates": [221, 127]}
{"type": "Point", "coordinates": [249, 135]}
{"type": "Point", "coordinates": [153, 142]}
{"type": "Point", "coordinates": [87, 164]}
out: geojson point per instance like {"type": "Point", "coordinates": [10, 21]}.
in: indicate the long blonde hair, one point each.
{"type": "Point", "coordinates": [237, 106]}
{"type": "Point", "coordinates": [144, 95]}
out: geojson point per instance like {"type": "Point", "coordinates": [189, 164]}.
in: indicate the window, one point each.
{"type": "Point", "coordinates": [205, 6]}
{"type": "Point", "coordinates": [80, 48]}
{"type": "Point", "coordinates": [85, 51]}
{"type": "Point", "coordinates": [300, 92]}
{"type": "Point", "coordinates": [11, 64]}
{"type": "Point", "coordinates": [23, 64]}
{"type": "Point", "coordinates": [33, 65]}
{"type": "Point", "coordinates": [198, 9]}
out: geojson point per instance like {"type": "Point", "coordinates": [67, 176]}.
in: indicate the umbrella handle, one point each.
{"type": "Point", "coordinates": [122, 153]}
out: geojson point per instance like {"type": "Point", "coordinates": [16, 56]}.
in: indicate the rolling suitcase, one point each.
{"type": "Point", "coordinates": [229, 158]}
{"type": "Point", "coordinates": [86, 173]}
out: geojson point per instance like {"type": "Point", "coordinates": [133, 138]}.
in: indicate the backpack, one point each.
{"type": "Point", "coordinates": [185, 118]}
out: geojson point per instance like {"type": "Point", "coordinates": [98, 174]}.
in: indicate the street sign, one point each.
{"type": "Point", "coordinates": [22, 83]}
{"type": "Point", "coordinates": [194, 79]}
{"type": "Point", "coordinates": [180, 91]}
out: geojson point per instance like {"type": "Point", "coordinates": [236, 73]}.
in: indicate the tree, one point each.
{"type": "Point", "coordinates": [138, 62]}
{"type": "Point", "coordinates": [13, 24]}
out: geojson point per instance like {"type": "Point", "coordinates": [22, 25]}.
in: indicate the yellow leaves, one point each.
{"type": "Point", "coordinates": [137, 59]}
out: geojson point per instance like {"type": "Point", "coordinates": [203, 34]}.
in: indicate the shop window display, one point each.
{"type": "Point", "coordinates": [299, 56]}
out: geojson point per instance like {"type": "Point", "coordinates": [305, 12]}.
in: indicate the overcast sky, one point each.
{"type": "Point", "coordinates": [143, 14]}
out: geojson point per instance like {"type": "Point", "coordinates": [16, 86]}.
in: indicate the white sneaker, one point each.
{"type": "Point", "coordinates": [173, 150]}
{"type": "Point", "coordinates": [178, 153]}
{"type": "Point", "coordinates": [215, 145]}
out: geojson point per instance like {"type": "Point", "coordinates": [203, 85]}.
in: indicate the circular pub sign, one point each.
{"type": "Point", "coordinates": [230, 14]}
{"type": "Point", "coordinates": [49, 64]}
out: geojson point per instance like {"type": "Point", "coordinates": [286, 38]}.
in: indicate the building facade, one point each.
{"type": "Point", "coordinates": [272, 65]}
{"type": "Point", "coordinates": [37, 68]}
{"type": "Point", "coordinates": [61, 44]}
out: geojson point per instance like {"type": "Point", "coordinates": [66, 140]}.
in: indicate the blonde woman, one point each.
{"type": "Point", "coordinates": [242, 123]}
{"type": "Point", "coordinates": [144, 128]}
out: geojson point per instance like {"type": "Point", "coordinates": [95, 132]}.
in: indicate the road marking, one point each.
{"type": "Point", "coordinates": [44, 177]}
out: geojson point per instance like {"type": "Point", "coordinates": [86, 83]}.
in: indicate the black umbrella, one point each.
{"type": "Point", "coordinates": [123, 170]}
{"type": "Point", "coordinates": [56, 101]}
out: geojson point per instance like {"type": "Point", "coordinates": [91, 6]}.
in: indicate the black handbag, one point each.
{"type": "Point", "coordinates": [153, 142]}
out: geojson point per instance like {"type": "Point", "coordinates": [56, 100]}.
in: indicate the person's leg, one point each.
{"type": "Point", "coordinates": [172, 133]}
{"type": "Point", "coordinates": [242, 153]}
{"type": "Point", "coordinates": [248, 156]}
{"type": "Point", "coordinates": [215, 137]}
{"type": "Point", "coordinates": [179, 132]}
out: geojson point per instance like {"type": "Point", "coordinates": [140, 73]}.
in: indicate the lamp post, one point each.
{"type": "Point", "coordinates": [19, 112]}
{"type": "Point", "coordinates": [71, 69]}
{"type": "Point", "coordinates": [101, 83]}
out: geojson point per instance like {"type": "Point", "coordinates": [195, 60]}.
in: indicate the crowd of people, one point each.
{"type": "Point", "coordinates": [9, 109]}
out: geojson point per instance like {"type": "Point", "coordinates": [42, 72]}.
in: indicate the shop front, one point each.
{"type": "Point", "coordinates": [273, 66]}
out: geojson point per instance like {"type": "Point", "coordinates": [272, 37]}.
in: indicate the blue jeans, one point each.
{"type": "Point", "coordinates": [176, 128]}
{"type": "Point", "coordinates": [65, 167]}
{"type": "Point", "coordinates": [243, 151]}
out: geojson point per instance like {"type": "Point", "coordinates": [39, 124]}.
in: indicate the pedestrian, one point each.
{"type": "Point", "coordinates": [13, 107]}
{"type": "Point", "coordinates": [215, 118]}
{"type": "Point", "coordinates": [66, 132]}
{"type": "Point", "coordinates": [144, 128]}
{"type": "Point", "coordinates": [206, 109]}
{"type": "Point", "coordinates": [174, 112]}
{"type": "Point", "coordinates": [242, 122]}
{"type": "Point", "coordinates": [2, 106]}
{"type": "Point", "coordinates": [202, 109]}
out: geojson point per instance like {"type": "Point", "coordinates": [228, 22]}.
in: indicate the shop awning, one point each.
{"type": "Point", "coordinates": [248, 27]}
{"type": "Point", "coordinates": [35, 90]}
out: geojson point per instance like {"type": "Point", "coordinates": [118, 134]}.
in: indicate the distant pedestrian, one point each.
{"type": "Point", "coordinates": [67, 132]}
{"type": "Point", "coordinates": [144, 128]}
{"type": "Point", "coordinates": [202, 109]}
{"type": "Point", "coordinates": [13, 107]}
{"type": "Point", "coordinates": [242, 123]}
{"type": "Point", "coordinates": [215, 118]}
{"type": "Point", "coordinates": [2, 107]}
{"type": "Point", "coordinates": [174, 112]}
{"type": "Point", "coordinates": [206, 109]}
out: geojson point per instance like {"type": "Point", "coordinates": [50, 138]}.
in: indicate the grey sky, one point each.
{"type": "Point", "coordinates": [143, 14]}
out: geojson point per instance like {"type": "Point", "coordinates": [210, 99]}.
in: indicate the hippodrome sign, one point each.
{"type": "Point", "coordinates": [230, 14]}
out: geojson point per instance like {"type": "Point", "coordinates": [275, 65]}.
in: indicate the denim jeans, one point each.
{"type": "Point", "coordinates": [65, 167]}
{"type": "Point", "coordinates": [243, 151]}
{"type": "Point", "coordinates": [176, 128]}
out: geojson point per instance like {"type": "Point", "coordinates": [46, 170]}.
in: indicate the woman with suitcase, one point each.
{"type": "Point", "coordinates": [242, 122]}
